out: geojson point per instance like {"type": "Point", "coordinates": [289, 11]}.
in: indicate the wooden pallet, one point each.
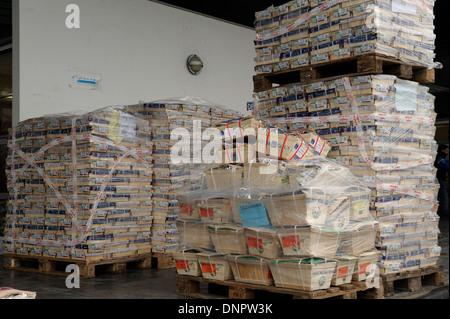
{"type": "Point", "coordinates": [201, 288]}
{"type": "Point", "coordinates": [163, 261]}
{"type": "Point", "coordinates": [370, 63]}
{"type": "Point", "coordinates": [57, 266]}
{"type": "Point", "coordinates": [412, 280]}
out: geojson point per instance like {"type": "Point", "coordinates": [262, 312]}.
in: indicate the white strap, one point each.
{"type": "Point", "coordinates": [318, 240]}
{"type": "Point", "coordinates": [237, 267]}
{"type": "Point", "coordinates": [275, 209]}
{"type": "Point", "coordinates": [261, 267]}
{"type": "Point", "coordinates": [297, 214]}
{"type": "Point", "coordinates": [186, 264]}
{"type": "Point", "coordinates": [300, 273]}
{"type": "Point", "coordinates": [279, 274]}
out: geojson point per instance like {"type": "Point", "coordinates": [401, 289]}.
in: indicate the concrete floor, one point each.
{"type": "Point", "coordinates": [149, 283]}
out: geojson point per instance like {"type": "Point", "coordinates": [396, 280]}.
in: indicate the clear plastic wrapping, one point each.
{"type": "Point", "coordinates": [316, 213]}
{"type": "Point", "coordinates": [381, 128]}
{"type": "Point", "coordinates": [250, 269]}
{"type": "Point", "coordinates": [306, 274]}
{"type": "Point", "coordinates": [80, 186]}
{"type": "Point", "coordinates": [178, 126]}
{"type": "Point", "coordinates": [301, 33]}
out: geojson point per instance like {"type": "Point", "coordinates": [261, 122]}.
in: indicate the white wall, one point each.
{"type": "Point", "coordinates": [138, 47]}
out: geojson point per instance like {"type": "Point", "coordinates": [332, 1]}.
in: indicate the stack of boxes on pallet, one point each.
{"type": "Point", "coordinates": [80, 186]}
{"type": "Point", "coordinates": [391, 148]}
{"type": "Point", "coordinates": [177, 127]}
{"type": "Point", "coordinates": [307, 32]}
{"type": "Point", "coordinates": [288, 218]}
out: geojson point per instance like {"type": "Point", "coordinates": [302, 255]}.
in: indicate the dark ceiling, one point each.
{"type": "Point", "coordinates": [5, 19]}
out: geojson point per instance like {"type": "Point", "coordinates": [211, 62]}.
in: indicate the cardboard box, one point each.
{"type": "Point", "coordinates": [364, 265]}
{"type": "Point", "coordinates": [343, 273]}
{"type": "Point", "coordinates": [312, 241]}
{"type": "Point", "coordinates": [250, 269]}
{"type": "Point", "coordinates": [228, 239]}
{"type": "Point", "coordinates": [186, 262]}
{"type": "Point", "coordinates": [308, 274]}
{"type": "Point", "coordinates": [215, 266]}
{"type": "Point", "coordinates": [263, 243]}
{"type": "Point", "coordinates": [215, 211]}
{"type": "Point", "coordinates": [194, 235]}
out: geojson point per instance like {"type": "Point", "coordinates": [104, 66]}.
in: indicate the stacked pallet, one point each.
{"type": "Point", "coordinates": [177, 127]}
{"type": "Point", "coordinates": [382, 129]}
{"type": "Point", "coordinates": [80, 187]}
{"type": "Point", "coordinates": [308, 32]}
{"type": "Point", "coordinates": [255, 224]}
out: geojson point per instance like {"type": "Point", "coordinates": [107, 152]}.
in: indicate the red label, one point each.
{"type": "Point", "coordinates": [186, 209]}
{"type": "Point", "coordinates": [206, 212]}
{"type": "Point", "coordinates": [182, 264]}
{"type": "Point", "coordinates": [342, 272]}
{"type": "Point", "coordinates": [208, 268]}
{"type": "Point", "coordinates": [290, 241]}
{"type": "Point", "coordinates": [363, 268]}
{"type": "Point", "coordinates": [255, 242]}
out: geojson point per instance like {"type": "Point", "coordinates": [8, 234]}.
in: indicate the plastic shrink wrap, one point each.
{"type": "Point", "coordinates": [268, 214]}
{"type": "Point", "coordinates": [80, 186]}
{"type": "Point", "coordinates": [382, 129]}
{"type": "Point", "coordinates": [302, 33]}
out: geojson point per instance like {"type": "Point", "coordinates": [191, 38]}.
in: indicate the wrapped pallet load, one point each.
{"type": "Point", "coordinates": [80, 186]}
{"type": "Point", "coordinates": [283, 221]}
{"type": "Point", "coordinates": [381, 128]}
{"type": "Point", "coordinates": [177, 126]}
{"type": "Point", "coordinates": [310, 32]}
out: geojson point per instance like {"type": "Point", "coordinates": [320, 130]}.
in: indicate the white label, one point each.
{"type": "Point", "coordinates": [322, 37]}
{"type": "Point", "coordinates": [285, 46]}
{"type": "Point", "coordinates": [401, 6]}
{"type": "Point", "coordinates": [302, 42]}
{"type": "Point", "coordinates": [343, 34]}
{"type": "Point", "coordinates": [83, 80]}
{"type": "Point", "coordinates": [342, 52]}
{"type": "Point", "coordinates": [263, 95]}
{"type": "Point", "coordinates": [436, 250]}
{"type": "Point", "coordinates": [296, 89]}
{"type": "Point", "coordinates": [362, 79]}
{"type": "Point", "coordinates": [319, 104]}
{"type": "Point", "coordinates": [127, 125]}
{"type": "Point", "coordinates": [279, 91]}
{"type": "Point", "coordinates": [320, 18]}
{"type": "Point", "coordinates": [298, 106]}
{"type": "Point", "coordinates": [364, 98]}
{"type": "Point", "coordinates": [299, 4]}
{"type": "Point", "coordinates": [321, 57]}
{"type": "Point", "coordinates": [394, 267]}
{"type": "Point", "coordinates": [266, 50]}
{"type": "Point", "coordinates": [301, 61]}
{"type": "Point", "coordinates": [405, 97]}
{"type": "Point", "coordinates": [281, 66]}
{"type": "Point", "coordinates": [341, 100]}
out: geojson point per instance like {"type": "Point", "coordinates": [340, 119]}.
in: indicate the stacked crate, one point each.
{"type": "Point", "coordinates": [254, 220]}
{"type": "Point", "coordinates": [80, 186]}
{"type": "Point", "coordinates": [176, 123]}
{"type": "Point", "coordinates": [382, 129]}
{"type": "Point", "coordinates": [302, 33]}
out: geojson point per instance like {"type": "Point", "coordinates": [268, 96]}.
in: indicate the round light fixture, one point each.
{"type": "Point", "coordinates": [194, 64]}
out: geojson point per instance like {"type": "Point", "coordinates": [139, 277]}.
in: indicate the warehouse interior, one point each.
{"type": "Point", "coordinates": [226, 80]}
